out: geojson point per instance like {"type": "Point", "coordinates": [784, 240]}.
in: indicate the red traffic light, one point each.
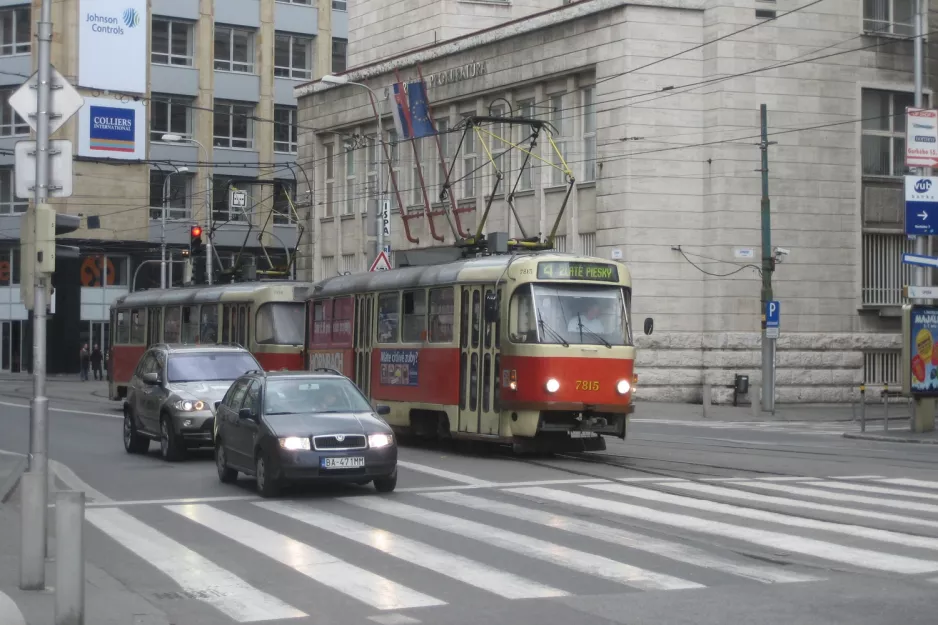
{"type": "Point", "coordinates": [196, 231]}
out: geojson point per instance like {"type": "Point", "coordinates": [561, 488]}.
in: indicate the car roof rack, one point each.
{"type": "Point", "coordinates": [329, 370]}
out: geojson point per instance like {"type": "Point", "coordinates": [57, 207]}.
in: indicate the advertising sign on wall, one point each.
{"type": "Point", "coordinates": [924, 351]}
{"type": "Point", "coordinates": [112, 45]}
{"type": "Point", "coordinates": [108, 128]}
{"type": "Point", "coordinates": [399, 367]}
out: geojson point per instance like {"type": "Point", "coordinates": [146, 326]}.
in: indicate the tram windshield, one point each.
{"type": "Point", "coordinates": [570, 314]}
{"type": "Point", "coordinates": [280, 323]}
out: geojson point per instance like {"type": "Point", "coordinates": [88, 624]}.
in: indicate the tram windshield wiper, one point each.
{"type": "Point", "coordinates": [545, 327]}
{"type": "Point", "coordinates": [590, 332]}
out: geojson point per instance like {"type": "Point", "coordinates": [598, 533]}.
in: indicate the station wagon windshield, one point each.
{"type": "Point", "coordinates": [570, 314]}
{"type": "Point", "coordinates": [310, 395]}
{"type": "Point", "coordinates": [209, 367]}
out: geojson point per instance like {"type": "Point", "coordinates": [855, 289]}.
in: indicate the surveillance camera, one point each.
{"type": "Point", "coordinates": [781, 251]}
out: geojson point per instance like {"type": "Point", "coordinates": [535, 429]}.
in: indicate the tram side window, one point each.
{"type": "Point", "coordinates": [171, 325]}
{"type": "Point", "coordinates": [343, 313]}
{"type": "Point", "coordinates": [441, 315]}
{"type": "Point", "coordinates": [123, 327]}
{"type": "Point", "coordinates": [388, 306]}
{"type": "Point", "coordinates": [321, 329]}
{"type": "Point", "coordinates": [522, 326]}
{"type": "Point", "coordinates": [414, 316]}
{"type": "Point", "coordinates": [190, 324]}
{"type": "Point", "coordinates": [138, 328]}
{"type": "Point", "coordinates": [209, 329]}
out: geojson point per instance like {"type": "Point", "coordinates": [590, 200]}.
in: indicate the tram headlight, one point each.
{"type": "Point", "coordinates": [623, 387]}
{"type": "Point", "coordinates": [552, 385]}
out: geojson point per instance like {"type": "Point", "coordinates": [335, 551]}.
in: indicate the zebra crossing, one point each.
{"type": "Point", "coordinates": [430, 549]}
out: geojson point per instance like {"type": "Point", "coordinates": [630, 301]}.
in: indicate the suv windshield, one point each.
{"type": "Point", "coordinates": [570, 314]}
{"type": "Point", "coordinates": [305, 395]}
{"type": "Point", "coordinates": [209, 366]}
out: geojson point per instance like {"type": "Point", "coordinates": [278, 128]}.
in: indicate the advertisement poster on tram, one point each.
{"type": "Point", "coordinates": [399, 367]}
{"type": "Point", "coordinates": [924, 351]}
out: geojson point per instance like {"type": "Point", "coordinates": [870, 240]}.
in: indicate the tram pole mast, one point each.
{"type": "Point", "coordinates": [768, 266]}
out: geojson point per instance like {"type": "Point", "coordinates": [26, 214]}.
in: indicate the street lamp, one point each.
{"type": "Point", "coordinates": [179, 170]}
{"type": "Point", "coordinates": [338, 80]}
{"type": "Point", "coordinates": [174, 138]}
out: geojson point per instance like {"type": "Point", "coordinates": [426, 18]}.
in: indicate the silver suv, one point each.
{"type": "Point", "coordinates": [171, 396]}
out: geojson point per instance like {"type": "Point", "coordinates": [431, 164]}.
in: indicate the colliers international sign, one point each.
{"type": "Point", "coordinates": [112, 45]}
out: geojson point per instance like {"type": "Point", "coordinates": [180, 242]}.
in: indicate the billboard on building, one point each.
{"type": "Point", "coordinates": [108, 128]}
{"type": "Point", "coordinates": [112, 45]}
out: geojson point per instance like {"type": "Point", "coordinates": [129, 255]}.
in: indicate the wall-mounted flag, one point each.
{"type": "Point", "coordinates": [421, 124]}
{"type": "Point", "coordinates": [401, 112]}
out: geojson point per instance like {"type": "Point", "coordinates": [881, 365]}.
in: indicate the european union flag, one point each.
{"type": "Point", "coordinates": [419, 110]}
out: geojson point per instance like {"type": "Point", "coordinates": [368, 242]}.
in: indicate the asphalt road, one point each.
{"type": "Point", "coordinates": [698, 522]}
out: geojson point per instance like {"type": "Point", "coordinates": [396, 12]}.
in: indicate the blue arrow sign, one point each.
{"type": "Point", "coordinates": [921, 261]}
{"type": "Point", "coordinates": [772, 314]}
{"type": "Point", "coordinates": [921, 205]}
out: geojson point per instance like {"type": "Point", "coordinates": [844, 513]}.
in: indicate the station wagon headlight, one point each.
{"type": "Point", "coordinates": [552, 385]}
{"type": "Point", "coordinates": [379, 440]}
{"type": "Point", "coordinates": [186, 405]}
{"type": "Point", "coordinates": [294, 443]}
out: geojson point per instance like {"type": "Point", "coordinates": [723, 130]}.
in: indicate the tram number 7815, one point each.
{"type": "Point", "coordinates": [587, 385]}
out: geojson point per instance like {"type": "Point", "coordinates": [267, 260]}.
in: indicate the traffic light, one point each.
{"type": "Point", "coordinates": [195, 240]}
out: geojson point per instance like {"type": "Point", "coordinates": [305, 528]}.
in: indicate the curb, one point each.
{"type": "Point", "coordinates": [891, 439]}
{"type": "Point", "coordinates": [6, 488]}
{"type": "Point", "coordinates": [9, 613]}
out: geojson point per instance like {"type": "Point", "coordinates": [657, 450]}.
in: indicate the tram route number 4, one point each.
{"type": "Point", "coordinates": [382, 263]}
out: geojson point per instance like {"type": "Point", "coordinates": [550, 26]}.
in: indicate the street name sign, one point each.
{"type": "Point", "coordinates": [381, 263]}
{"type": "Point", "coordinates": [921, 205]}
{"type": "Point", "coordinates": [921, 292]}
{"type": "Point", "coordinates": [921, 261]}
{"type": "Point", "coordinates": [66, 101]}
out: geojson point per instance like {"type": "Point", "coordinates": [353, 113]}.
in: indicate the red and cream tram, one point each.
{"type": "Point", "coordinates": [531, 350]}
{"type": "Point", "coordinates": [267, 318]}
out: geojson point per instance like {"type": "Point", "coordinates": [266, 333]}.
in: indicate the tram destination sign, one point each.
{"type": "Point", "coordinates": [573, 270]}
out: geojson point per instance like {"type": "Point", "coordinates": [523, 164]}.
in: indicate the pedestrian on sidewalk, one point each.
{"type": "Point", "coordinates": [85, 359]}
{"type": "Point", "coordinates": [96, 359]}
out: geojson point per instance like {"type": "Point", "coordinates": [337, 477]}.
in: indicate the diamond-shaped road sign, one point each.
{"type": "Point", "coordinates": [65, 101]}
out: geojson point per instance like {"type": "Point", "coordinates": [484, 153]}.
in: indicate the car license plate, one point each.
{"type": "Point", "coordinates": [343, 463]}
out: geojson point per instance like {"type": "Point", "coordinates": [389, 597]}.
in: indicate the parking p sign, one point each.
{"type": "Point", "coordinates": [772, 317]}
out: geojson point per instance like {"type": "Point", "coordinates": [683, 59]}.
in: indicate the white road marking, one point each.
{"type": "Point", "coordinates": [76, 483]}
{"type": "Point", "coordinates": [374, 590]}
{"type": "Point", "coordinates": [219, 588]}
{"type": "Point", "coordinates": [855, 477]}
{"type": "Point", "coordinates": [869, 488]}
{"type": "Point", "coordinates": [84, 412]}
{"type": "Point", "coordinates": [923, 542]}
{"type": "Point", "coordinates": [167, 502]}
{"type": "Point", "coordinates": [662, 548]}
{"type": "Point", "coordinates": [447, 475]}
{"type": "Point", "coordinates": [822, 494]}
{"type": "Point", "coordinates": [649, 479]}
{"type": "Point", "coordinates": [418, 553]}
{"type": "Point", "coordinates": [774, 540]}
{"type": "Point", "coordinates": [904, 481]}
{"type": "Point", "coordinates": [11, 613]}
{"type": "Point", "coordinates": [525, 545]}
{"type": "Point", "coordinates": [393, 619]}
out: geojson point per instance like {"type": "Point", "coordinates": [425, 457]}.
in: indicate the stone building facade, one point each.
{"type": "Point", "coordinates": [658, 115]}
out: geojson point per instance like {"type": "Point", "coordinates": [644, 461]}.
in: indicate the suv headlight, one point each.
{"type": "Point", "coordinates": [379, 440]}
{"type": "Point", "coordinates": [187, 405]}
{"type": "Point", "coordinates": [294, 443]}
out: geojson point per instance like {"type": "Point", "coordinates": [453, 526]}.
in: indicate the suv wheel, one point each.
{"type": "Point", "coordinates": [226, 475]}
{"type": "Point", "coordinates": [170, 445]}
{"type": "Point", "coordinates": [267, 483]}
{"type": "Point", "coordinates": [387, 483]}
{"type": "Point", "coordinates": [134, 442]}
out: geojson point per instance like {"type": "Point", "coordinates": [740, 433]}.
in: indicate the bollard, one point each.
{"type": "Point", "coordinates": [32, 532]}
{"type": "Point", "coordinates": [70, 558]}
{"type": "Point", "coordinates": [886, 401]}
{"type": "Point", "coordinates": [863, 407]}
{"type": "Point", "coordinates": [756, 400]}
{"type": "Point", "coordinates": [707, 399]}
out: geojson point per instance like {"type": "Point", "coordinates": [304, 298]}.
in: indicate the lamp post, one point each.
{"type": "Point", "coordinates": [333, 79]}
{"type": "Point", "coordinates": [179, 170]}
{"type": "Point", "coordinates": [172, 138]}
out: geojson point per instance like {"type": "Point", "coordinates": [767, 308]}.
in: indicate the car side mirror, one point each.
{"type": "Point", "coordinates": [151, 378]}
{"type": "Point", "coordinates": [246, 413]}
{"type": "Point", "coordinates": [383, 410]}
{"type": "Point", "coordinates": [491, 307]}
{"type": "Point", "coordinates": [649, 325]}
{"type": "Point", "coordinates": [217, 404]}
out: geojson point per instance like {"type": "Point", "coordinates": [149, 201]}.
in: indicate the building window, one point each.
{"type": "Point", "coordinates": [284, 194]}
{"type": "Point", "coordinates": [526, 111]}
{"type": "Point", "coordinates": [222, 211]}
{"type": "Point", "coordinates": [559, 124]}
{"type": "Point", "coordinates": [177, 195]}
{"type": "Point", "coordinates": [15, 31]}
{"type": "Point", "coordinates": [293, 57]}
{"type": "Point", "coordinates": [884, 273]}
{"type": "Point", "coordinates": [588, 244]}
{"type": "Point", "coordinates": [234, 50]}
{"type": "Point", "coordinates": [306, 2]}
{"type": "Point", "coordinates": [350, 263]}
{"type": "Point", "coordinates": [350, 180]}
{"type": "Point", "coordinates": [469, 164]}
{"type": "Point", "coordinates": [499, 148]}
{"type": "Point", "coordinates": [442, 128]}
{"type": "Point", "coordinates": [9, 203]}
{"type": "Point", "coordinates": [234, 125]}
{"type": "Point", "coordinates": [339, 5]}
{"type": "Point", "coordinates": [11, 124]}
{"type": "Point", "coordinates": [329, 157]}
{"type": "Point", "coordinates": [172, 43]}
{"type": "Point", "coordinates": [98, 270]}
{"type": "Point", "coordinates": [416, 187]}
{"type": "Point", "coordinates": [328, 267]}
{"type": "Point", "coordinates": [339, 55]}
{"type": "Point", "coordinates": [285, 136]}
{"type": "Point", "coordinates": [889, 16]}
{"type": "Point", "coordinates": [883, 131]}
{"type": "Point", "coordinates": [169, 115]}
{"type": "Point", "coordinates": [589, 134]}
{"type": "Point", "coordinates": [374, 163]}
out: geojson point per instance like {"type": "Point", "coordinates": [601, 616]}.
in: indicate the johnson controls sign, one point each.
{"type": "Point", "coordinates": [112, 45]}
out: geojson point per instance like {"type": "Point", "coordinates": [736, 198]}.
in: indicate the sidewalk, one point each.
{"type": "Point", "coordinates": [783, 412]}
{"type": "Point", "coordinates": [899, 435]}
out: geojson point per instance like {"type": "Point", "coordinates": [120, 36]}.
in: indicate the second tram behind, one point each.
{"type": "Point", "coordinates": [267, 318]}
{"type": "Point", "coordinates": [532, 350]}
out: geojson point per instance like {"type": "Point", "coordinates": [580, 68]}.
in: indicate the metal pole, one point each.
{"type": "Point", "coordinates": [385, 164]}
{"type": "Point", "coordinates": [768, 344]}
{"type": "Point", "coordinates": [921, 243]}
{"type": "Point", "coordinates": [70, 558]}
{"type": "Point", "coordinates": [208, 220]}
{"type": "Point", "coordinates": [36, 491]}
{"type": "Point", "coordinates": [863, 408]}
{"type": "Point", "coordinates": [163, 233]}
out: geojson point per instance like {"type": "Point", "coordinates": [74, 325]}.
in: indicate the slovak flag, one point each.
{"type": "Point", "coordinates": [401, 112]}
